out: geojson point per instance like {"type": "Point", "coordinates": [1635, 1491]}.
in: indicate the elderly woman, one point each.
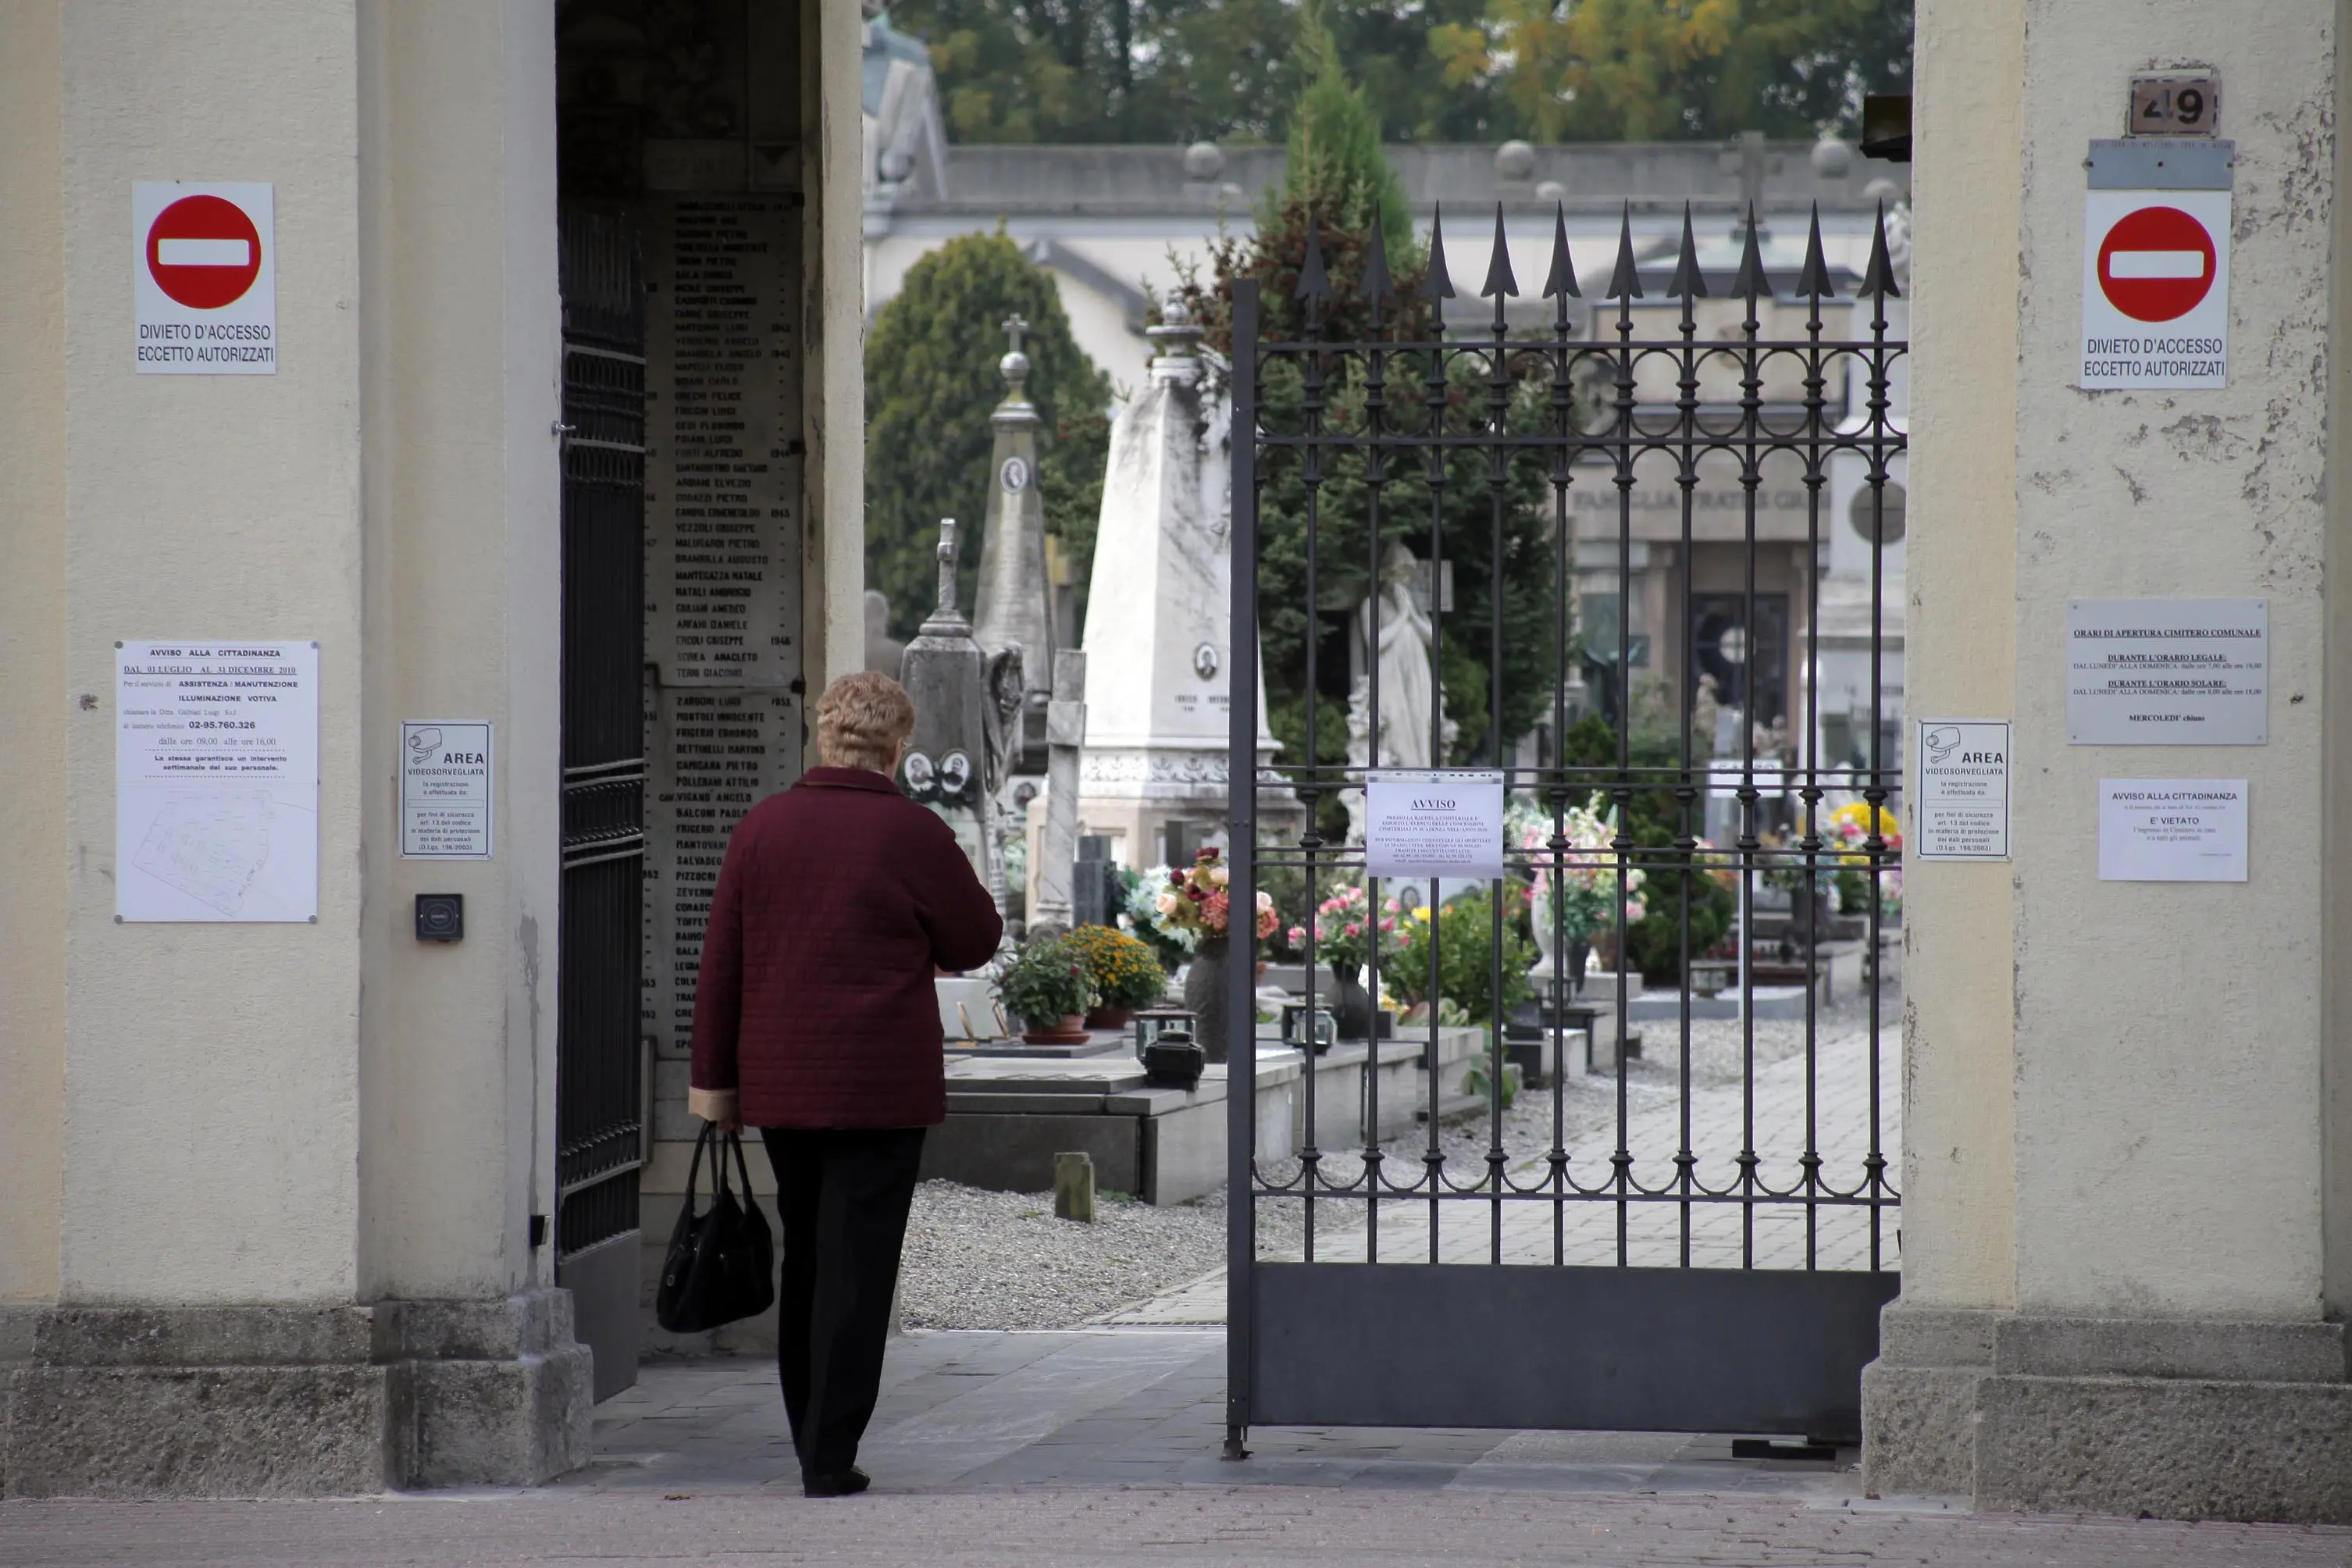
{"type": "Point", "coordinates": [816, 1021]}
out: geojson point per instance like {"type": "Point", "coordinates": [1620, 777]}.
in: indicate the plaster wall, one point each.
{"type": "Point", "coordinates": [212, 1097]}
{"type": "Point", "coordinates": [33, 702]}
{"type": "Point", "coordinates": [461, 330]}
{"type": "Point", "coordinates": [1958, 1190]}
{"type": "Point", "coordinates": [2168, 1036]}
{"type": "Point", "coordinates": [833, 126]}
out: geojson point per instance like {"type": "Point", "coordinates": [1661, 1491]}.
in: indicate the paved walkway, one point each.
{"type": "Point", "coordinates": [1587, 1233]}
{"type": "Point", "coordinates": [1077, 1449]}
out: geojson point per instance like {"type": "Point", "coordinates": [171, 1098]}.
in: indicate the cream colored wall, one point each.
{"type": "Point", "coordinates": [35, 704]}
{"type": "Point", "coordinates": [2335, 838]}
{"type": "Point", "coordinates": [2168, 1036]}
{"type": "Point", "coordinates": [834, 591]}
{"type": "Point", "coordinates": [212, 1094]}
{"type": "Point", "coordinates": [461, 330]}
{"type": "Point", "coordinates": [1958, 1115]}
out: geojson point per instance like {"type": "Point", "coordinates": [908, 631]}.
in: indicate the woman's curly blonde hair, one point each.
{"type": "Point", "coordinates": [860, 720]}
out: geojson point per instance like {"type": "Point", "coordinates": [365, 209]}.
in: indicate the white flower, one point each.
{"type": "Point", "coordinates": [1165, 903]}
{"type": "Point", "coordinates": [1220, 875]}
{"type": "Point", "coordinates": [1265, 900]}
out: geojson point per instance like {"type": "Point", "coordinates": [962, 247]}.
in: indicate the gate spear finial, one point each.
{"type": "Point", "coordinates": [1814, 281]}
{"type": "Point", "coordinates": [1688, 282]}
{"type": "Point", "coordinates": [1438, 283]}
{"type": "Point", "coordinates": [1562, 283]}
{"type": "Point", "coordinates": [1626, 282]}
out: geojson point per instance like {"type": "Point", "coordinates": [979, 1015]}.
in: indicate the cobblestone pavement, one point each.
{"type": "Point", "coordinates": [1055, 1450]}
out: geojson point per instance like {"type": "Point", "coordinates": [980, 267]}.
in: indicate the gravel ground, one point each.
{"type": "Point", "coordinates": [978, 1260]}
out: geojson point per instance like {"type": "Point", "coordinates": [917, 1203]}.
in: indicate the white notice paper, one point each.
{"type": "Point", "coordinates": [445, 790]}
{"type": "Point", "coordinates": [1963, 799]}
{"type": "Point", "coordinates": [216, 781]}
{"type": "Point", "coordinates": [2168, 672]}
{"type": "Point", "coordinates": [1443, 823]}
{"type": "Point", "coordinates": [2172, 830]}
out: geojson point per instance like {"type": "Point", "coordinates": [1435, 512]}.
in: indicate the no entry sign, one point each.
{"type": "Point", "coordinates": [205, 279]}
{"type": "Point", "coordinates": [2156, 288]}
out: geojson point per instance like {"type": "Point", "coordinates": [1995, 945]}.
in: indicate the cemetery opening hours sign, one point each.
{"type": "Point", "coordinates": [445, 790]}
{"type": "Point", "coordinates": [1963, 799]}
{"type": "Point", "coordinates": [217, 780]}
{"type": "Point", "coordinates": [2168, 672]}
{"type": "Point", "coordinates": [2172, 830]}
{"type": "Point", "coordinates": [1444, 822]}
{"type": "Point", "coordinates": [204, 278]}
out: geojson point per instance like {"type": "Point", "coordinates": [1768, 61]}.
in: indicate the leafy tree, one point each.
{"type": "Point", "coordinates": [931, 381]}
{"type": "Point", "coordinates": [1338, 181]}
{"type": "Point", "coordinates": [1180, 71]}
{"type": "Point", "coordinates": [1439, 70]}
{"type": "Point", "coordinates": [1653, 69]}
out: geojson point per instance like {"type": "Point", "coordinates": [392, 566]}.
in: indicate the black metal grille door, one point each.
{"type": "Point", "coordinates": [600, 1100]}
{"type": "Point", "coordinates": [1699, 1238]}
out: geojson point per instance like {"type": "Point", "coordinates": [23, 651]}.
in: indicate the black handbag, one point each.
{"type": "Point", "coordinates": [722, 1265]}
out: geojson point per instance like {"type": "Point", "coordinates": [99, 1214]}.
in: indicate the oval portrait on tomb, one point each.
{"type": "Point", "coordinates": [1207, 661]}
{"type": "Point", "coordinates": [920, 779]}
{"type": "Point", "coordinates": [1015, 475]}
{"type": "Point", "coordinates": [955, 771]}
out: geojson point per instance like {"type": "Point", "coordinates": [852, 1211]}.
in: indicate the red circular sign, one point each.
{"type": "Point", "coordinates": [2156, 264]}
{"type": "Point", "coordinates": [204, 252]}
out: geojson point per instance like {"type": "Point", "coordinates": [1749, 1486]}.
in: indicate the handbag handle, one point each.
{"type": "Point", "coordinates": [694, 1167]}
{"type": "Point", "coordinates": [735, 1142]}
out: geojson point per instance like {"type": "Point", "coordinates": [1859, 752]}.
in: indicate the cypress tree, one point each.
{"type": "Point", "coordinates": [931, 382]}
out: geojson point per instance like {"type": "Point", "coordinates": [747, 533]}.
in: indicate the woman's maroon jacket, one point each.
{"type": "Point", "coordinates": [838, 900]}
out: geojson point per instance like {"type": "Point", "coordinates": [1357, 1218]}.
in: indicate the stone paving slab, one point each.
{"type": "Point", "coordinates": [1086, 1448]}
{"type": "Point", "coordinates": [1163, 1525]}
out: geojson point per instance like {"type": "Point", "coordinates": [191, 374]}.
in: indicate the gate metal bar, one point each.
{"type": "Point", "coordinates": [1680, 1348]}
{"type": "Point", "coordinates": [599, 1080]}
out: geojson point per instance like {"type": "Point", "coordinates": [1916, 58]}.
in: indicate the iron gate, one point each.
{"type": "Point", "coordinates": [599, 1079]}
{"type": "Point", "coordinates": [1709, 1232]}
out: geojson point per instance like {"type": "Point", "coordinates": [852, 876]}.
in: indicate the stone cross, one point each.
{"type": "Point", "coordinates": [1015, 329]}
{"type": "Point", "coordinates": [1745, 155]}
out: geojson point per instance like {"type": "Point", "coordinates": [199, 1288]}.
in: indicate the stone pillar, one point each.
{"type": "Point", "coordinates": [280, 1235]}
{"type": "Point", "coordinates": [2127, 1251]}
{"type": "Point", "coordinates": [1014, 607]}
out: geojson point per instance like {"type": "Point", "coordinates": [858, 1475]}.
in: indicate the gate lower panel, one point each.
{"type": "Point", "coordinates": [1765, 1352]}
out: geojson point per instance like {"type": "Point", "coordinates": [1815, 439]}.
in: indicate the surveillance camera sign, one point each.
{"type": "Point", "coordinates": [1963, 796]}
{"type": "Point", "coordinates": [204, 278]}
{"type": "Point", "coordinates": [446, 802]}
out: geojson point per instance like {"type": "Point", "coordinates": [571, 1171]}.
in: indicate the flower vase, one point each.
{"type": "Point", "coordinates": [1579, 954]}
{"type": "Point", "coordinates": [1352, 1007]}
{"type": "Point", "coordinates": [1205, 994]}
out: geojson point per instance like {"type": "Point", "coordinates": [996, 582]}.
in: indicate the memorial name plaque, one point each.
{"type": "Point", "coordinates": [2172, 830]}
{"type": "Point", "coordinates": [1446, 822]}
{"type": "Point", "coordinates": [2168, 672]}
{"type": "Point", "coordinates": [723, 462]}
{"type": "Point", "coordinates": [1962, 811]}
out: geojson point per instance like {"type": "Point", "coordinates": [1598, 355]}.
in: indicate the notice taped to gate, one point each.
{"type": "Point", "coordinates": [1963, 798]}
{"type": "Point", "coordinates": [1444, 822]}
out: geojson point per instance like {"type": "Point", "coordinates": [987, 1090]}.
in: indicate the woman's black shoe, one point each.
{"type": "Point", "coordinates": [835, 1483]}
